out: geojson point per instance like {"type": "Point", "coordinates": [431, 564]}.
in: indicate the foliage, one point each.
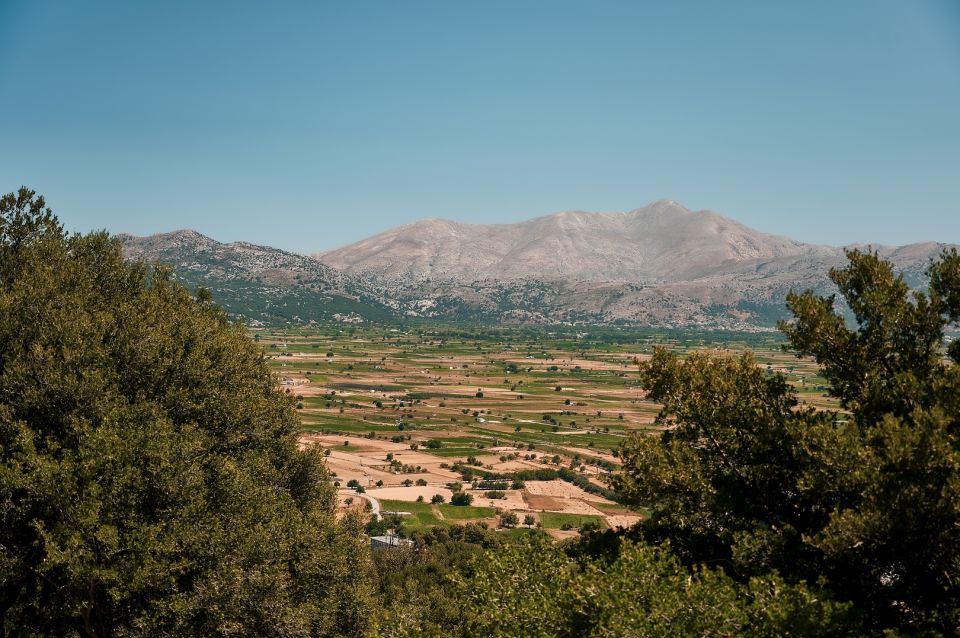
{"type": "Point", "coordinates": [416, 585]}
{"type": "Point", "coordinates": [150, 480]}
{"type": "Point", "coordinates": [461, 498]}
{"type": "Point", "coordinates": [536, 590]}
{"type": "Point", "coordinates": [865, 503]}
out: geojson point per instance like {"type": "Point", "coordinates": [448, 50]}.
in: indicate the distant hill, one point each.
{"type": "Point", "coordinates": [660, 265]}
{"type": "Point", "coordinates": [259, 283]}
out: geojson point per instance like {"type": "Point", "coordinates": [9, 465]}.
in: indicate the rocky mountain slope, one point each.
{"type": "Point", "coordinates": [259, 283]}
{"type": "Point", "coordinates": [662, 242]}
{"type": "Point", "coordinates": [658, 265]}
{"type": "Point", "coordinates": [661, 265]}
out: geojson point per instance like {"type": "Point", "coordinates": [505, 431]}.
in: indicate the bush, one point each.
{"type": "Point", "coordinates": [495, 484]}
{"type": "Point", "coordinates": [461, 498]}
{"type": "Point", "coordinates": [437, 499]}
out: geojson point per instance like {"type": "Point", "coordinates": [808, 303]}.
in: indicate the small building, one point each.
{"type": "Point", "coordinates": [389, 540]}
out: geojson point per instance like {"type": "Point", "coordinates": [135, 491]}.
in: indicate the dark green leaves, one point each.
{"type": "Point", "coordinates": [150, 479]}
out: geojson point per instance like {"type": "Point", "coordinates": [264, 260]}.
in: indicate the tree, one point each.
{"type": "Point", "coordinates": [863, 502]}
{"type": "Point", "coordinates": [510, 519]}
{"type": "Point", "coordinates": [436, 499]}
{"type": "Point", "coordinates": [150, 479]}
{"type": "Point", "coordinates": [644, 591]}
{"type": "Point", "coordinates": [461, 498]}
{"type": "Point", "coordinates": [893, 543]}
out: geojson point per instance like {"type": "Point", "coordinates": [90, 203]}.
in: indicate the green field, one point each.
{"type": "Point", "coordinates": [422, 512]}
{"type": "Point", "coordinates": [556, 520]}
{"type": "Point", "coordinates": [465, 512]}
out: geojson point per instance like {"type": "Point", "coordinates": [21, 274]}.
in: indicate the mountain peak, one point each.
{"type": "Point", "coordinates": [666, 203]}
{"type": "Point", "coordinates": [661, 264]}
{"type": "Point", "coordinates": [663, 241]}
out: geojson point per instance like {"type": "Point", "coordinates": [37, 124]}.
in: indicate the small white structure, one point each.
{"type": "Point", "coordinates": [389, 540]}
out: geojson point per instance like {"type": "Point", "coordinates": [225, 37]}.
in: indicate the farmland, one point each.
{"type": "Point", "coordinates": [524, 422]}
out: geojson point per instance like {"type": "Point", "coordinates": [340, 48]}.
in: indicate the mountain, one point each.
{"type": "Point", "coordinates": [658, 265]}
{"type": "Point", "coordinates": [661, 242]}
{"type": "Point", "coordinates": [261, 284]}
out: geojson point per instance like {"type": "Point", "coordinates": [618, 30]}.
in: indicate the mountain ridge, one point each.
{"type": "Point", "coordinates": [260, 284]}
{"type": "Point", "coordinates": [658, 265]}
{"type": "Point", "coordinates": [642, 244]}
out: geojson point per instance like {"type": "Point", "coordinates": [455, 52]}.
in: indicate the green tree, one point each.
{"type": "Point", "coordinates": [893, 542]}
{"type": "Point", "coordinates": [535, 589]}
{"type": "Point", "coordinates": [461, 498]}
{"type": "Point", "coordinates": [864, 502]}
{"type": "Point", "coordinates": [150, 479]}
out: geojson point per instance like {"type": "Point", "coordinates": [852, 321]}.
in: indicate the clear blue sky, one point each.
{"type": "Point", "coordinates": [310, 125]}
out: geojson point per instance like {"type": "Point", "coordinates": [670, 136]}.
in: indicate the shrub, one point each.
{"type": "Point", "coordinates": [461, 498]}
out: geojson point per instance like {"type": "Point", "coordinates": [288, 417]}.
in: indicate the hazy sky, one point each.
{"type": "Point", "coordinates": [310, 125]}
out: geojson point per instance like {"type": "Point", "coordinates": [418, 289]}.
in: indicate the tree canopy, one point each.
{"type": "Point", "coordinates": [150, 478]}
{"type": "Point", "coordinates": [865, 501]}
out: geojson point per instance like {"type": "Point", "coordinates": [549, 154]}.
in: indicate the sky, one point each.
{"type": "Point", "coordinates": [309, 125]}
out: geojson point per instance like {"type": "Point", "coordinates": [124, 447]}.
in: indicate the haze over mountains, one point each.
{"type": "Point", "coordinates": [660, 265]}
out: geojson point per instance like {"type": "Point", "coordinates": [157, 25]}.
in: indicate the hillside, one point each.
{"type": "Point", "coordinates": [662, 242]}
{"type": "Point", "coordinates": [259, 283]}
{"type": "Point", "coordinates": [660, 265]}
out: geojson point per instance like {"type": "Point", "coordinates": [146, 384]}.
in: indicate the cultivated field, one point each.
{"type": "Point", "coordinates": [523, 422]}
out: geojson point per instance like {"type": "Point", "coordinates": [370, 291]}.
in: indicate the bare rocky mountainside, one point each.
{"type": "Point", "coordinates": [662, 242]}
{"type": "Point", "coordinates": [660, 265]}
